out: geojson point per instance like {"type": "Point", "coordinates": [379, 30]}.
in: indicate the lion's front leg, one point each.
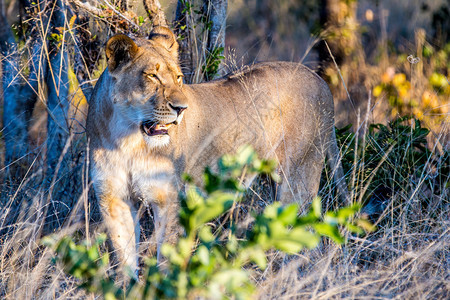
{"type": "Point", "coordinates": [160, 216]}
{"type": "Point", "coordinates": [164, 205]}
{"type": "Point", "coordinates": [121, 220]}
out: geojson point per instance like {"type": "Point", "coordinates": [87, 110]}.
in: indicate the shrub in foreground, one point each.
{"type": "Point", "coordinates": [207, 263]}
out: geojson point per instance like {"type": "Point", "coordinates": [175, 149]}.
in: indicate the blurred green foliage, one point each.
{"type": "Point", "coordinates": [426, 94]}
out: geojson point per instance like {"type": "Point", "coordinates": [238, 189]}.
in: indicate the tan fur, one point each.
{"type": "Point", "coordinates": [283, 109]}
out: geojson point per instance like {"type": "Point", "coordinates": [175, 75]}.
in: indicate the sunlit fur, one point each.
{"type": "Point", "coordinates": [284, 110]}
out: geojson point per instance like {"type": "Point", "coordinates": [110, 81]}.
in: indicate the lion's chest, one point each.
{"type": "Point", "coordinates": [134, 172]}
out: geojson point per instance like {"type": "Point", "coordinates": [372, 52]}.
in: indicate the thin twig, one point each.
{"type": "Point", "coordinates": [89, 8]}
{"type": "Point", "coordinates": [120, 14]}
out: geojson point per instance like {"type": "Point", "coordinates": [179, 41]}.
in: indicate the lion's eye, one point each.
{"type": "Point", "coordinates": [151, 76]}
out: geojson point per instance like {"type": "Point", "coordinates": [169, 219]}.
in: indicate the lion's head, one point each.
{"type": "Point", "coordinates": [147, 83]}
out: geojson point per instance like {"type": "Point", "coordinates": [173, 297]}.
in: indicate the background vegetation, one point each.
{"type": "Point", "coordinates": [383, 60]}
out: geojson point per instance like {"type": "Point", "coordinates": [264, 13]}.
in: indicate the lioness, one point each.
{"type": "Point", "coordinates": [139, 144]}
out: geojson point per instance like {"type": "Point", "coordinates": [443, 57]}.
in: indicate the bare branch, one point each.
{"type": "Point", "coordinates": [89, 8]}
{"type": "Point", "coordinates": [120, 14]}
{"type": "Point", "coordinates": [155, 13]}
{"type": "Point", "coordinates": [110, 13]}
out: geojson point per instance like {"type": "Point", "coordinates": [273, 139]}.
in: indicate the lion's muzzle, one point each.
{"type": "Point", "coordinates": [179, 109]}
{"type": "Point", "coordinates": [159, 127]}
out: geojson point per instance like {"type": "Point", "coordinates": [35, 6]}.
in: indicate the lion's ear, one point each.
{"type": "Point", "coordinates": [120, 49]}
{"type": "Point", "coordinates": [165, 37]}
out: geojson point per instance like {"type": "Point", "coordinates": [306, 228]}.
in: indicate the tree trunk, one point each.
{"type": "Point", "coordinates": [58, 89]}
{"type": "Point", "coordinates": [14, 123]}
{"type": "Point", "coordinates": [19, 97]}
{"type": "Point", "coordinates": [338, 18]}
{"type": "Point", "coordinates": [216, 36]}
{"type": "Point", "coordinates": [217, 17]}
{"type": "Point", "coordinates": [342, 35]}
{"type": "Point", "coordinates": [155, 13]}
{"type": "Point", "coordinates": [57, 207]}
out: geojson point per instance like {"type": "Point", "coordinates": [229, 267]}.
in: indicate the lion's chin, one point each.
{"type": "Point", "coordinates": [157, 141]}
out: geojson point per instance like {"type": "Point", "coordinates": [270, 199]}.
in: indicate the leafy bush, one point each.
{"type": "Point", "coordinates": [394, 159]}
{"type": "Point", "coordinates": [212, 63]}
{"type": "Point", "coordinates": [207, 263]}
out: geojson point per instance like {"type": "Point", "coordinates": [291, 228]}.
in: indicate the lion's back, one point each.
{"type": "Point", "coordinates": [274, 106]}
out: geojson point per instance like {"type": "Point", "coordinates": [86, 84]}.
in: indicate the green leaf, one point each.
{"type": "Point", "coordinates": [354, 229]}
{"type": "Point", "coordinates": [233, 185]}
{"type": "Point", "coordinates": [366, 225]}
{"type": "Point", "coordinates": [345, 213]}
{"type": "Point", "coordinates": [231, 279]}
{"type": "Point", "coordinates": [110, 296]}
{"type": "Point", "coordinates": [316, 207]}
{"type": "Point", "coordinates": [288, 246]}
{"type": "Point", "coordinates": [205, 235]}
{"type": "Point", "coordinates": [232, 244]}
{"type": "Point", "coordinates": [329, 231]}
{"type": "Point", "coordinates": [288, 214]}
{"type": "Point", "coordinates": [275, 176]}
{"type": "Point", "coordinates": [193, 197]}
{"type": "Point", "coordinates": [330, 218]}
{"type": "Point", "coordinates": [305, 237]}
{"type": "Point", "coordinates": [245, 155]}
{"type": "Point", "coordinates": [93, 254]}
{"type": "Point", "coordinates": [265, 166]}
{"type": "Point", "coordinates": [203, 255]}
{"type": "Point", "coordinates": [187, 178]}
{"type": "Point", "coordinates": [184, 247]}
{"type": "Point", "coordinates": [271, 211]}
{"type": "Point", "coordinates": [182, 285]}
{"type": "Point", "coordinates": [172, 255]}
{"type": "Point", "coordinates": [217, 204]}
{"type": "Point", "coordinates": [212, 181]}
{"type": "Point", "coordinates": [258, 257]}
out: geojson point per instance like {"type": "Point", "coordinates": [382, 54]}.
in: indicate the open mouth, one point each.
{"type": "Point", "coordinates": [152, 128]}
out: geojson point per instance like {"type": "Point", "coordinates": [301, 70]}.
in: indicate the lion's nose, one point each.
{"type": "Point", "coordinates": [179, 108]}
